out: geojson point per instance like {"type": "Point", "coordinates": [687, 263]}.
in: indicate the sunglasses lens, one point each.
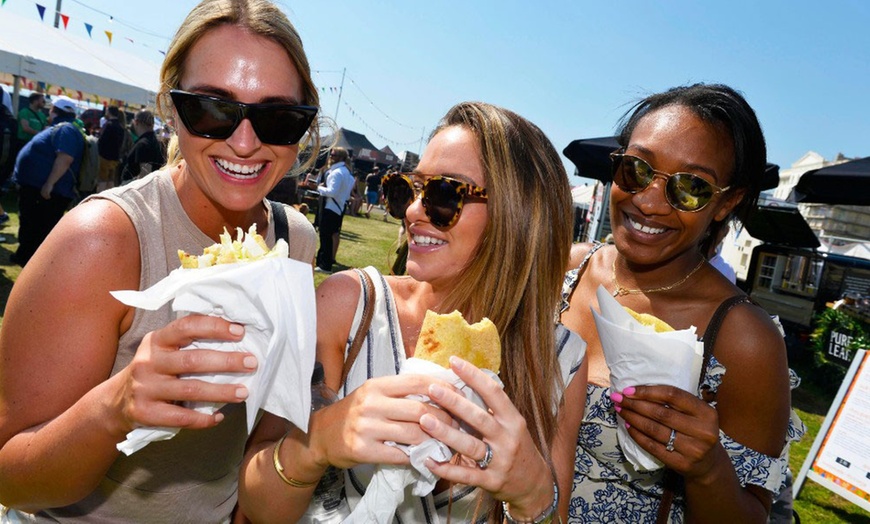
{"type": "Point", "coordinates": [442, 201]}
{"type": "Point", "coordinates": [632, 174]}
{"type": "Point", "coordinates": [399, 194]}
{"type": "Point", "coordinates": [688, 192]}
{"type": "Point", "coordinates": [281, 125]}
{"type": "Point", "coordinates": [207, 117]}
{"type": "Point", "coordinates": [275, 124]}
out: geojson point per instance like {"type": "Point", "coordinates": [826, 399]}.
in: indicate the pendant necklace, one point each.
{"type": "Point", "coordinates": [622, 291]}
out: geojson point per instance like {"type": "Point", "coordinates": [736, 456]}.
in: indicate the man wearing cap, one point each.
{"type": "Point", "coordinates": [46, 171]}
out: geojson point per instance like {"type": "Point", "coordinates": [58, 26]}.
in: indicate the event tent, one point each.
{"type": "Point", "coordinates": [39, 52]}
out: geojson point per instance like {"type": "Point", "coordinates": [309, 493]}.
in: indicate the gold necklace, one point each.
{"type": "Point", "coordinates": [621, 291]}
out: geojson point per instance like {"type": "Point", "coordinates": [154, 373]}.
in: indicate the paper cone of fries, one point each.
{"type": "Point", "coordinates": [638, 355]}
{"type": "Point", "coordinates": [273, 298]}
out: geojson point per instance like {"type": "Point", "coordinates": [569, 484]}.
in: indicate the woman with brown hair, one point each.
{"type": "Point", "coordinates": [483, 220]}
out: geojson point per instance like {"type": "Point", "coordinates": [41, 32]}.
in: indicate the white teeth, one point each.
{"type": "Point", "coordinates": [646, 229]}
{"type": "Point", "coordinates": [238, 170]}
{"type": "Point", "coordinates": [420, 240]}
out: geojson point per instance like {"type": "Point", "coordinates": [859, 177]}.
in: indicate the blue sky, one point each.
{"type": "Point", "coordinates": [573, 68]}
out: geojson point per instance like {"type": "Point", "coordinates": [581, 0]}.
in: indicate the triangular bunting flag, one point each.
{"type": "Point", "coordinates": [65, 19]}
{"type": "Point", "coordinates": [41, 9]}
{"type": "Point", "coordinates": [109, 35]}
{"type": "Point", "coordinates": [90, 28]}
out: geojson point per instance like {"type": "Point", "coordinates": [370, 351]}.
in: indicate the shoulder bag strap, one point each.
{"type": "Point", "coordinates": [671, 479]}
{"type": "Point", "coordinates": [279, 215]}
{"type": "Point", "coordinates": [713, 328]}
{"type": "Point", "coordinates": [364, 324]}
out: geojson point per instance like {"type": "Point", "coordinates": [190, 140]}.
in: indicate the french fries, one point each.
{"type": "Point", "coordinates": [247, 247]}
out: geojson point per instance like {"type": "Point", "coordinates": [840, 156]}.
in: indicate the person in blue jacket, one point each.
{"type": "Point", "coordinates": [46, 170]}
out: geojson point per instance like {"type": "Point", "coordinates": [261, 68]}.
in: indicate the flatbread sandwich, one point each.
{"type": "Point", "coordinates": [449, 334]}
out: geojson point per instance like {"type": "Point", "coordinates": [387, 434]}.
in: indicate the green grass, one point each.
{"type": "Point", "coordinates": [365, 242]}
{"type": "Point", "coordinates": [372, 241]}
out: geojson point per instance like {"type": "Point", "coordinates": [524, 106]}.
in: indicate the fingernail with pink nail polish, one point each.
{"type": "Point", "coordinates": [616, 397]}
{"type": "Point", "coordinates": [629, 390]}
{"type": "Point", "coordinates": [618, 409]}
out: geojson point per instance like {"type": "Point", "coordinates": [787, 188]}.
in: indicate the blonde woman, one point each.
{"type": "Point", "coordinates": [80, 370]}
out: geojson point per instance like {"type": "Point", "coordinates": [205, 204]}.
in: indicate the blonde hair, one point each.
{"type": "Point", "coordinates": [259, 17]}
{"type": "Point", "coordinates": [527, 238]}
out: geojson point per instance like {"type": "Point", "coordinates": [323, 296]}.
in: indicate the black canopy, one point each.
{"type": "Point", "coordinates": [591, 156]}
{"type": "Point", "coordinates": [844, 184]}
{"type": "Point", "coordinates": [781, 225]}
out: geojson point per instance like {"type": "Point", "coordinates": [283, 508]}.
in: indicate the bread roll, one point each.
{"type": "Point", "coordinates": [444, 335]}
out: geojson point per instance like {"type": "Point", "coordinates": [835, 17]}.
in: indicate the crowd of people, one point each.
{"type": "Point", "coordinates": [486, 219]}
{"type": "Point", "coordinates": [54, 159]}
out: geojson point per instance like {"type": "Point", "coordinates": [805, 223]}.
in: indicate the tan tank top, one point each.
{"type": "Point", "coordinates": [194, 476]}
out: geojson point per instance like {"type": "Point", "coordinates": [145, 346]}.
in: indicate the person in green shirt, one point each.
{"type": "Point", "coordinates": [31, 119]}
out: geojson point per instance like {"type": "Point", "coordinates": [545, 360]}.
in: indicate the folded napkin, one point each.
{"type": "Point", "coordinates": [274, 299]}
{"type": "Point", "coordinates": [386, 491]}
{"type": "Point", "coordinates": [638, 355]}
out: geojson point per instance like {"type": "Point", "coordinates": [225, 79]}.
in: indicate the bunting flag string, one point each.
{"type": "Point", "coordinates": [388, 117]}
{"type": "Point", "coordinates": [41, 9]}
{"type": "Point", "coordinates": [375, 132]}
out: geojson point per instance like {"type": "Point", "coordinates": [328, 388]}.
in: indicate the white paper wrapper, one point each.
{"type": "Point", "coordinates": [274, 299]}
{"type": "Point", "coordinates": [637, 355]}
{"type": "Point", "coordinates": [386, 491]}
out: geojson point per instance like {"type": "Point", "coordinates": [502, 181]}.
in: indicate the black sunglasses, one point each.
{"type": "Point", "coordinates": [684, 191]}
{"type": "Point", "coordinates": [211, 117]}
{"type": "Point", "coordinates": [442, 196]}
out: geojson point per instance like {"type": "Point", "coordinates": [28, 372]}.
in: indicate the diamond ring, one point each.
{"type": "Point", "coordinates": [487, 457]}
{"type": "Point", "coordinates": [670, 445]}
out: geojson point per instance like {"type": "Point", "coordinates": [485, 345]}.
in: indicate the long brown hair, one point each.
{"type": "Point", "coordinates": [516, 275]}
{"type": "Point", "coordinates": [259, 17]}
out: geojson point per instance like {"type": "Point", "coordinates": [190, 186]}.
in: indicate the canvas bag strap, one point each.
{"type": "Point", "coordinates": [366, 322]}
{"type": "Point", "coordinates": [671, 478]}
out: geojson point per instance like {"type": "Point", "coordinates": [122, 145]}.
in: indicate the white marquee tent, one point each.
{"type": "Point", "coordinates": [40, 52]}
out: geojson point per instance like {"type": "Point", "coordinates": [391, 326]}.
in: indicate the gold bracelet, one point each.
{"type": "Point", "coordinates": [279, 469]}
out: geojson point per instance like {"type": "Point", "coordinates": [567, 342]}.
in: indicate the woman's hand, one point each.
{"type": "Point", "coordinates": [353, 430]}
{"type": "Point", "coordinates": [652, 413]}
{"type": "Point", "coordinates": [152, 389]}
{"type": "Point", "coordinates": [516, 472]}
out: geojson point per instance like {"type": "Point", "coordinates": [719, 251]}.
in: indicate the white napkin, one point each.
{"type": "Point", "coordinates": [386, 490]}
{"type": "Point", "coordinates": [637, 355]}
{"type": "Point", "coordinates": [274, 299]}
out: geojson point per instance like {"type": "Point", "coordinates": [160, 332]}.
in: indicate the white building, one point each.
{"type": "Point", "coordinates": [839, 228]}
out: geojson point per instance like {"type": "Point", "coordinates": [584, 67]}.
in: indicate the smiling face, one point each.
{"type": "Point", "coordinates": [440, 254]}
{"type": "Point", "coordinates": [235, 174]}
{"type": "Point", "coordinates": [646, 229]}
